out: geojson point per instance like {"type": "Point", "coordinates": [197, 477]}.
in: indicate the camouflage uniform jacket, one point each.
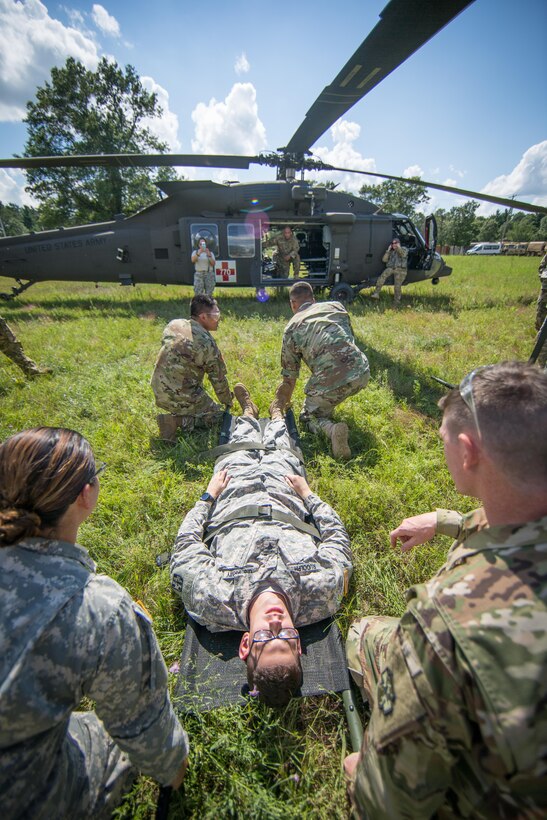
{"type": "Point", "coordinates": [320, 334]}
{"type": "Point", "coordinates": [459, 726]}
{"type": "Point", "coordinates": [189, 352]}
{"type": "Point", "coordinates": [285, 247]}
{"type": "Point", "coordinates": [218, 580]}
{"type": "Point", "coordinates": [68, 633]}
{"type": "Point", "coordinates": [396, 259]}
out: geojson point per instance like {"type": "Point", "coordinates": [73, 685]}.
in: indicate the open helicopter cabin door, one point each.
{"type": "Point", "coordinates": [430, 231]}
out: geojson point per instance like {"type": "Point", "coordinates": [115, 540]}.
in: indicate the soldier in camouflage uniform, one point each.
{"type": "Point", "coordinates": [320, 334]}
{"type": "Point", "coordinates": [69, 633]}
{"type": "Point", "coordinates": [245, 557]}
{"type": "Point", "coordinates": [457, 686]}
{"type": "Point", "coordinates": [189, 352]}
{"type": "Point", "coordinates": [396, 259]}
{"type": "Point", "coordinates": [12, 348]}
{"type": "Point", "coordinates": [541, 312]}
{"type": "Point", "coordinates": [287, 252]}
{"type": "Point", "coordinates": [204, 265]}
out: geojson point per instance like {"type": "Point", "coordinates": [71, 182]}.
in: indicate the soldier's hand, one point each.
{"type": "Point", "coordinates": [414, 531]}
{"type": "Point", "coordinates": [218, 483]}
{"type": "Point", "coordinates": [298, 484]}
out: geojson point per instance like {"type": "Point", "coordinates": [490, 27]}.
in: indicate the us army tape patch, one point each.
{"type": "Point", "coordinates": [386, 692]}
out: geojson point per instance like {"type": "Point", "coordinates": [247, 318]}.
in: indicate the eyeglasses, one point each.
{"type": "Point", "coordinates": [265, 635]}
{"type": "Point", "coordinates": [466, 392]}
{"type": "Point", "coordinates": [100, 467]}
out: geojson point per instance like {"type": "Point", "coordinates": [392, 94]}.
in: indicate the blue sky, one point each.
{"type": "Point", "coordinates": [469, 108]}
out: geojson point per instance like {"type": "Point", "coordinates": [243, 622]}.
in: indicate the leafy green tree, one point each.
{"type": "Point", "coordinates": [523, 227]}
{"type": "Point", "coordinates": [17, 219]}
{"type": "Point", "coordinates": [459, 224]}
{"type": "Point", "coordinates": [394, 196]}
{"type": "Point", "coordinates": [92, 112]}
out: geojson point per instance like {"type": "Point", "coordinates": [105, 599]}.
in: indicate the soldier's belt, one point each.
{"type": "Point", "coordinates": [233, 447]}
{"type": "Point", "coordinates": [263, 512]}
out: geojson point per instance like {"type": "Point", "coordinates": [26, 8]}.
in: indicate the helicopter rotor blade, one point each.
{"type": "Point", "coordinates": [130, 161]}
{"type": "Point", "coordinates": [405, 25]}
{"type": "Point", "coordinates": [495, 200]}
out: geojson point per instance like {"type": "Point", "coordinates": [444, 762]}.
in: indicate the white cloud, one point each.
{"type": "Point", "coordinates": [242, 65]}
{"type": "Point", "coordinates": [103, 20]}
{"type": "Point", "coordinates": [413, 171]}
{"type": "Point", "coordinates": [229, 127]}
{"type": "Point", "coordinates": [165, 127]}
{"type": "Point", "coordinates": [31, 43]}
{"type": "Point", "coordinates": [527, 180]}
{"type": "Point", "coordinates": [344, 154]}
{"type": "Point", "coordinates": [457, 171]}
{"type": "Point", "coordinates": [12, 188]}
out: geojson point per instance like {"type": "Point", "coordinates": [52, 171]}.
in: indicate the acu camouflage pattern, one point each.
{"type": "Point", "coordinates": [218, 581]}
{"type": "Point", "coordinates": [189, 352]}
{"type": "Point", "coordinates": [12, 348]}
{"type": "Point", "coordinates": [320, 334]}
{"type": "Point", "coordinates": [462, 731]}
{"type": "Point", "coordinates": [68, 633]}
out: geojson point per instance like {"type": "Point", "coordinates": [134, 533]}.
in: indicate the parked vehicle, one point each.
{"type": "Point", "coordinates": [485, 249]}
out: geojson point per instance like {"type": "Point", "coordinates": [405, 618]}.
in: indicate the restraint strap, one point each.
{"type": "Point", "coordinates": [233, 447]}
{"type": "Point", "coordinates": [263, 511]}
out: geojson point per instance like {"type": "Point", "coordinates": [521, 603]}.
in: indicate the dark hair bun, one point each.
{"type": "Point", "coordinates": [17, 523]}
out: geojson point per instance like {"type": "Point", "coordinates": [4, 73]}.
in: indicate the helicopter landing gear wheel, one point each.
{"type": "Point", "coordinates": [435, 280]}
{"type": "Point", "coordinates": [342, 292]}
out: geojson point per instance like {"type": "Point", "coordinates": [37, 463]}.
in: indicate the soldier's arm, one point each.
{"type": "Point", "coordinates": [334, 539]}
{"type": "Point", "coordinates": [216, 371]}
{"type": "Point", "coordinates": [190, 554]}
{"type": "Point", "coordinates": [406, 761]}
{"type": "Point", "coordinates": [385, 257]}
{"type": "Point", "coordinates": [290, 359]}
{"type": "Point", "coordinates": [129, 688]}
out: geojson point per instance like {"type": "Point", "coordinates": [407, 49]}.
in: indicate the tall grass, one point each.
{"type": "Point", "coordinates": [102, 343]}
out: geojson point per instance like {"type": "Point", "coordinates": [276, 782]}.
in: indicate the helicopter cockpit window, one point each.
{"type": "Point", "coordinates": [207, 231]}
{"type": "Point", "coordinates": [241, 240]}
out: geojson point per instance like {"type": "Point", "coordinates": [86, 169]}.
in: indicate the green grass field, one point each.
{"type": "Point", "coordinates": [102, 343]}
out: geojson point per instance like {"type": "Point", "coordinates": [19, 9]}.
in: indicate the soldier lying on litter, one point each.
{"type": "Point", "coordinates": [68, 632]}
{"type": "Point", "coordinates": [261, 553]}
{"type": "Point", "coordinates": [189, 352]}
{"type": "Point", "coordinates": [457, 686]}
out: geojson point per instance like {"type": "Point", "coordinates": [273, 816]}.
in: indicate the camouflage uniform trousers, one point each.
{"type": "Point", "coordinates": [399, 276]}
{"type": "Point", "coordinates": [193, 409]}
{"type": "Point", "coordinates": [101, 774]}
{"type": "Point", "coordinates": [12, 348]}
{"type": "Point", "coordinates": [366, 647]}
{"type": "Point", "coordinates": [319, 406]}
{"type": "Point", "coordinates": [204, 282]}
{"type": "Point", "coordinates": [541, 314]}
{"type": "Point", "coordinates": [283, 267]}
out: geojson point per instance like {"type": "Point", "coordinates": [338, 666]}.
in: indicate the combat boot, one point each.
{"type": "Point", "coordinates": [279, 405]}
{"type": "Point", "coordinates": [243, 396]}
{"type": "Point", "coordinates": [339, 440]}
{"type": "Point", "coordinates": [374, 295]}
{"type": "Point", "coordinates": [33, 371]}
{"type": "Point", "coordinates": [169, 424]}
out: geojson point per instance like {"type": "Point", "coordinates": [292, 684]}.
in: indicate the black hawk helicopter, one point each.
{"type": "Point", "coordinates": [342, 237]}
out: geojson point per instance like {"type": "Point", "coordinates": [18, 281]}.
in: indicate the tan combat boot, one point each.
{"type": "Point", "coordinates": [169, 424]}
{"type": "Point", "coordinates": [339, 441]}
{"type": "Point", "coordinates": [243, 396]}
{"type": "Point", "coordinates": [282, 400]}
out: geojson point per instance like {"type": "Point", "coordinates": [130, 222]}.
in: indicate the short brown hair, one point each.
{"type": "Point", "coordinates": [511, 404]}
{"type": "Point", "coordinates": [275, 685]}
{"type": "Point", "coordinates": [301, 292]}
{"type": "Point", "coordinates": [42, 472]}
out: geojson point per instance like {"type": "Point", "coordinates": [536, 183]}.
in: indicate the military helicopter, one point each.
{"type": "Point", "coordinates": [342, 237]}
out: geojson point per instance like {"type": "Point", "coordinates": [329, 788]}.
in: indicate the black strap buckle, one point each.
{"type": "Point", "coordinates": [265, 511]}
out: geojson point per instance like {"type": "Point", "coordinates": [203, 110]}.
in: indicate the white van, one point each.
{"type": "Point", "coordinates": [485, 248]}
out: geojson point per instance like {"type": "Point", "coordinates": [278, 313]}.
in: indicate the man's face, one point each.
{"type": "Point", "coordinates": [210, 319]}
{"type": "Point", "coordinates": [287, 233]}
{"type": "Point", "coordinates": [395, 243]}
{"type": "Point", "coordinates": [270, 611]}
